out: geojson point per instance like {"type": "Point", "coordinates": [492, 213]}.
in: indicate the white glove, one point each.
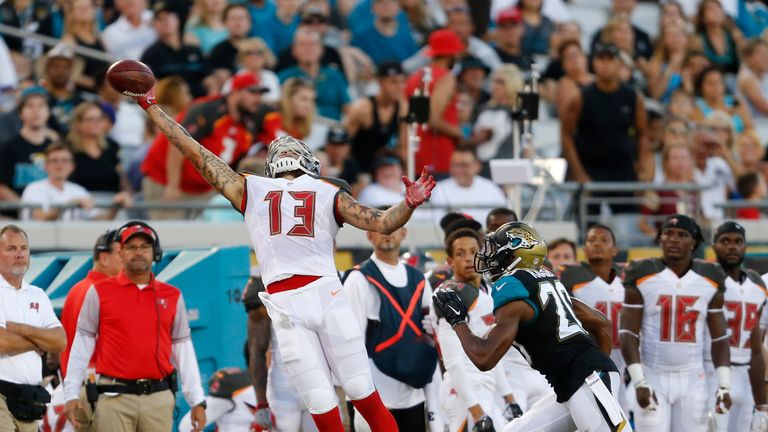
{"type": "Point", "coordinates": [760, 421]}
{"type": "Point", "coordinates": [426, 323]}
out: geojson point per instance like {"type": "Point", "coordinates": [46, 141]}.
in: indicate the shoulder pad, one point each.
{"type": "Point", "coordinates": [225, 382]}
{"type": "Point", "coordinates": [575, 274]}
{"type": "Point", "coordinates": [711, 271]}
{"type": "Point", "coordinates": [509, 288]}
{"type": "Point", "coordinates": [755, 277]}
{"type": "Point", "coordinates": [638, 269]}
{"type": "Point", "coordinates": [439, 275]}
{"type": "Point", "coordinates": [467, 292]}
{"type": "Point", "coordinates": [338, 183]}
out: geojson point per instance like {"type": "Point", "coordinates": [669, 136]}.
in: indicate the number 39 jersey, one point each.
{"type": "Point", "coordinates": [292, 224]}
{"type": "Point", "coordinates": [557, 343]}
{"type": "Point", "coordinates": [674, 310]}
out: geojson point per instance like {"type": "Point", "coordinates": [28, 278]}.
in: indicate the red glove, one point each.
{"type": "Point", "coordinates": [147, 100]}
{"type": "Point", "coordinates": [419, 191]}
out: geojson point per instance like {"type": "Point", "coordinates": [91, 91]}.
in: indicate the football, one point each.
{"type": "Point", "coordinates": [130, 77]}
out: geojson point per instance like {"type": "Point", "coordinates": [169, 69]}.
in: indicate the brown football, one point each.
{"type": "Point", "coordinates": [130, 77]}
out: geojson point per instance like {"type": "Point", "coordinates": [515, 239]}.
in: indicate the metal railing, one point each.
{"type": "Point", "coordinates": [49, 41]}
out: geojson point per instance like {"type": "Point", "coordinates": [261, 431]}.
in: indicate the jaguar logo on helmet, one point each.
{"type": "Point", "coordinates": [521, 239]}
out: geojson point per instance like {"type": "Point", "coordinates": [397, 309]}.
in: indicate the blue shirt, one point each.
{"type": "Point", "coordinates": [508, 289]}
{"type": "Point", "coordinates": [380, 47]}
{"type": "Point", "coordinates": [330, 85]}
{"type": "Point", "coordinates": [275, 33]}
{"type": "Point", "coordinates": [259, 14]}
{"type": "Point", "coordinates": [362, 16]}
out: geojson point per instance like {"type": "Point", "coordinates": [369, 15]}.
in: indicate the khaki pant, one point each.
{"type": "Point", "coordinates": [84, 414]}
{"type": "Point", "coordinates": [8, 423]}
{"type": "Point", "coordinates": [153, 191]}
{"type": "Point", "coordinates": [134, 413]}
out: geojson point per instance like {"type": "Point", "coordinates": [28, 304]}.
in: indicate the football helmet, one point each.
{"type": "Point", "coordinates": [287, 154]}
{"type": "Point", "coordinates": [513, 245]}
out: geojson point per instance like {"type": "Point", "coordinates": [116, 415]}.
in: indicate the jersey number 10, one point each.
{"type": "Point", "coordinates": [567, 323]}
{"type": "Point", "coordinates": [304, 210]}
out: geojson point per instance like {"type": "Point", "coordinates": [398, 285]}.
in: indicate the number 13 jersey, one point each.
{"type": "Point", "coordinates": [292, 224]}
{"type": "Point", "coordinates": [674, 310]}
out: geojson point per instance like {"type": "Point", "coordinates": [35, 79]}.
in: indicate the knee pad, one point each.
{"type": "Point", "coordinates": [358, 387]}
{"type": "Point", "coordinates": [320, 401]}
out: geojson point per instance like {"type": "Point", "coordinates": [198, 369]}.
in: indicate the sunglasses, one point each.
{"type": "Point", "coordinates": [253, 52]}
{"type": "Point", "coordinates": [314, 20]}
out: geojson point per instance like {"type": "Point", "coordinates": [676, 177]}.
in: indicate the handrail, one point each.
{"type": "Point", "coordinates": [740, 204]}
{"type": "Point", "coordinates": [47, 40]}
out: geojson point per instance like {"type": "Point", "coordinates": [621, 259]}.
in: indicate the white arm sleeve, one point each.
{"type": "Point", "coordinates": [81, 353]}
{"type": "Point", "coordinates": [217, 408]}
{"type": "Point", "coordinates": [500, 377]}
{"type": "Point", "coordinates": [453, 359]}
{"type": "Point", "coordinates": [185, 361]}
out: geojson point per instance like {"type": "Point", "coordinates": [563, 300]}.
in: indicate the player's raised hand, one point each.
{"type": "Point", "coordinates": [723, 403]}
{"type": "Point", "coordinates": [450, 306]}
{"type": "Point", "coordinates": [263, 418]}
{"type": "Point", "coordinates": [146, 100]}
{"type": "Point", "coordinates": [420, 190]}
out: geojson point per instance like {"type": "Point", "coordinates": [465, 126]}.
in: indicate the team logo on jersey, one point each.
{"type": "Point", "coordinates": [521, 239]}
{"type": "Point", "coordinates": [35, 306]}
{"type": "Point", "coordinates": [163, 303]}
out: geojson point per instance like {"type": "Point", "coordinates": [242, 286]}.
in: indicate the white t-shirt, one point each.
{"type": "Point", "coordinates": [27, 305]}
{"type": "Point", "coordinates": [718, 178]}
{"type": "Point", "coordinates": [376, 195]}
{"type": "Point", "coordinates": [42, 192]}
{"type": "Point", "coordinates": [124, 41]}
{"type": "Point", "coordinates": [498, 121]}
{"type": "Point", "coordinates": [476, 200]}
{"type": "Point", "coordinates": [365, 303]}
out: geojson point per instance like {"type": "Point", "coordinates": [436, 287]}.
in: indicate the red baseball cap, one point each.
{"type": "Point", "coordinates": [132, 230]}
{"type": "Point", "coordinates": [509, 15]}
{"type": "Point", "coordinates": [444, 42]}
{"type": "Point", "coordinates": [246, 80]}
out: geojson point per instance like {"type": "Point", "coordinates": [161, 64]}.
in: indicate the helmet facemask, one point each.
{"type": "Point", "coordinates": [288, 154]}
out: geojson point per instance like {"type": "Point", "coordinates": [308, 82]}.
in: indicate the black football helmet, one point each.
{"type": "Point", "coordinates": [513, 245]}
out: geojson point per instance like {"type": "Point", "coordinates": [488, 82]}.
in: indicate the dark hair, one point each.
{"type": "Point", "coordinates": [562, 241]}
{"type": "Point", "coordinates": [699, 81]}
{"type": "Point", "coordinates": [104, 243]}
{"type": "Point", "coordinates": [564, 45]}
{"type": "Point", "coordinates": [460, 233]}
{"type": "Point", "coordinates": [13, 228]}
{"type": "Point", "coordinates": [747, 183]}
{"type": "Point", "coordinates": [751, 44]}
{"type": "Point", "coordinates": [500, 211]}
{"type": "Point", "coordinates": [466, 149]}
{"type": "Point", "coordinates": [57, 146]}
{"type": "Point", "coordinates": [603, 227]}
{"type": "Point", "coordinates": [233, 6]}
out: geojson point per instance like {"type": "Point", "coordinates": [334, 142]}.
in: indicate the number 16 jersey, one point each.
{"type": "Point", "coordinates": [292, 224]}
{"type": "Point", "coordinates": [674, 310]}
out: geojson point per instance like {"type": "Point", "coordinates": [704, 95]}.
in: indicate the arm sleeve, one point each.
{"type": "Point", "coordinates": [88, 320]}
{"type": "Point", "coordinates": [217, 408]}
{"type": "Point", "coordinates": [185, 361]}
{"type": "Point", "coordinates": [79, 356]}
{"type": "Point", "coordinates": [453, 355]}
{"type": "Point", "coordinates": [180, 331]}
{"type": "Point", "coordinates": [357, 289]}
{"type": "Point", "coordinates": [500, 376]}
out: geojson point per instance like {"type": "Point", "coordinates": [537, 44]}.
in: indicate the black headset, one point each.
{"type": "Point", "coordinates": [104, 242]}
{"type": "Point", "coordinates": [157, 250]}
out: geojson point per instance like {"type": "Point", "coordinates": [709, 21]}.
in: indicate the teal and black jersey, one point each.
{"type": "Point", "coordinates": [559, 346]}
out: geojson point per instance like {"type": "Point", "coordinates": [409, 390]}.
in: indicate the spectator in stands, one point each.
{"type": "Point", "coordinates": [664, 73]}
{"type": "Point", "coordinates": [154, 347]}
{"type": "Point", "coordinates": [509, 38]}
{"type": "Point", "coordinates": [674, 131]}
{"type": "Point", "coordinates": [748, 151]}
{"type": "Point", "coordinates": [711, 96]}
{"type": "Point", "coordinates": [132, 33]}
{"type": "Point", "coordinates": [538, 28]}
{"type": "Point", "coordinates": [313, 19]}
{"type": "Point", "coordinates": [603, 127]}
{"type": "Point", "coordinates": [259, 10]}
{"type": "Point", "coordinates": [59, 69]}
{"type": "Point", "coordinates": [561, 252]}
{"type": "Point", "coordinates": [386, 188]}
{"type": "Point", "coordinates": [28, 326]}
{"type": "Point", "coordinates": [438, 141]}
{"type": "Point", "coordinates": [751, 187]}
{"type": "Point", "coordinates": [340, 163]}
{"type": "Point", "coordinates": [618, 31]}
{"type": "Point", "coordinates": [56, 190]}
{"type": "Point", "coordinates": [711, 171]}
{"type": "Point", "coordinates": [24, 15]}
{"type": "Point", "coordinates": [671, 12]}
{"type": "Point", "coordinates": [129, 124]}
{"type": "Point", "coordinates": [695, 62]}
{"type": "Point", "coordinates": [223, 125]}
{"type": "Point", "coordinates": [576, 74]}
{"type": "Point", "coordinates": [498, 217]}
{"type": "Point", "coordinates": [753, 77]}
{"type": "Point", "coordinates": [22, 157]}
{"type": "Point", "coordinates": [721, 125]}
{"type": "Point", "coordinates": [465, 189]}
{"type": "Point", "coordinates": [172, 94]}
{"type": "Point", "coordinates": [332, 96]}
{"type": "Point", "coordinates": [81, 28]}
{"type": "Point", "coordinates": [681, 104]}
{"type": "Point", "coordinates": [386, 38]}
{"type": "Point", "coordinates": [277, 30]}
{"type": "Point", "coordinates": [717, 36]}
{"type": "Point", "coordinates": [223, 55]}
{"type": "Point", "coordinates": [97, 164]}
{"type": "Point", "coordinates": [492, 132]}
{"type": "Point", "coordinates": [642, 42]}
{"type": "Point", "coordinates": [677, 167]}
{"type": "Point", "coordinates": [422, 18]}
{"type": "Point", "coordinates": [472, 77]}
{"type": "Point", "coordinates": [205, 27]}
{"type": "Point", "coordinates": [254, 56]}
{"type": "Point", "coordinates": [169, 56]}
{"type": "Point", "coordinates": [373, 122]}
{"type": "Point", "coordinates": [297, 112]}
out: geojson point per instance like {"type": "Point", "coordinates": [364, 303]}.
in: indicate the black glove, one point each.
{"type": "Point", "coordinates": [485, 424]}
{"type": "Point", "coordinates": [512, 411]}
{"type": "Point", "coordinates": [450, 305]}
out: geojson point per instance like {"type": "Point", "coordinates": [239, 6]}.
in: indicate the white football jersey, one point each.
{"type": "Point", "coordinates": [741, 307]}
{"type": "Point", "coordinates": [582, 283]}
{"type": "Point", "coordinates": [292, 224]}
{"type": "Point", "coordinates": [674, 311]}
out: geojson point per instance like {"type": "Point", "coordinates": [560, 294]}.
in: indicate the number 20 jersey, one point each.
{"type": "Point", "coordinates": [292, 224]}
{"type": "Point", "coordinates": [558, 345]}
{"type": "Point", "coordinates": [674, 310]}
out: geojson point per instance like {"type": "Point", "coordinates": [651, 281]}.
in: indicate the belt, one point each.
{"type": "Point", "coordinates": [134, 387]}
{"type": "Point", "coordinates": [291, 283]}
{"type": "Point", "coordinates": [739, 364]}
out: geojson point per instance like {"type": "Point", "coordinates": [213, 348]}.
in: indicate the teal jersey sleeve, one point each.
{"type": "Point", "coordinates": [508, 289]}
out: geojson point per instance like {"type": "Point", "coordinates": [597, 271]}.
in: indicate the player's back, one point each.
{"type": "Point", "coordinates": [292, 224]}
{"type": "Point", "coordinates": [558, 345]}
{"type": "Point", "coordinates": [674, 310]}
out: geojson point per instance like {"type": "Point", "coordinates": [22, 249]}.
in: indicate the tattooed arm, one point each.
{"type": "Point", "coordinates": [215, 171]}
{"type": "Point", "coordinates": [372, 219]}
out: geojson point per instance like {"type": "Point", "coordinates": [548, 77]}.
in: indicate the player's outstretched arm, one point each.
{"type": "Point", "coordinates": [389, 220]}
{"type": "Point", "coordinates": [214, 170]}
{"type": "Point", "coordinates": [595, 323]}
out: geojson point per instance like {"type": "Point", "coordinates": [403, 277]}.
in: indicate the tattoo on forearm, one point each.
{"type": "Point", "coordinates": [361, 215]}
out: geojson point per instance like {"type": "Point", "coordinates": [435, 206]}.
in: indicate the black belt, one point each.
{"type": "Point", "coordinates": [739, 364]}
{"type": "Point", "coordinates": [134, 387]}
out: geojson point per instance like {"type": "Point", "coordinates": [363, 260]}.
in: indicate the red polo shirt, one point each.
{"type": "Point", "coordinates": [136, 327]}
{"type": "Point", "coordinates": [71, 311]}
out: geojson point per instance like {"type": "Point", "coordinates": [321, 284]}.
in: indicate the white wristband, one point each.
{"type": "Point", "coordinates": [636, 373]}
{"type": "Point", "coordinates": [723, 376]}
